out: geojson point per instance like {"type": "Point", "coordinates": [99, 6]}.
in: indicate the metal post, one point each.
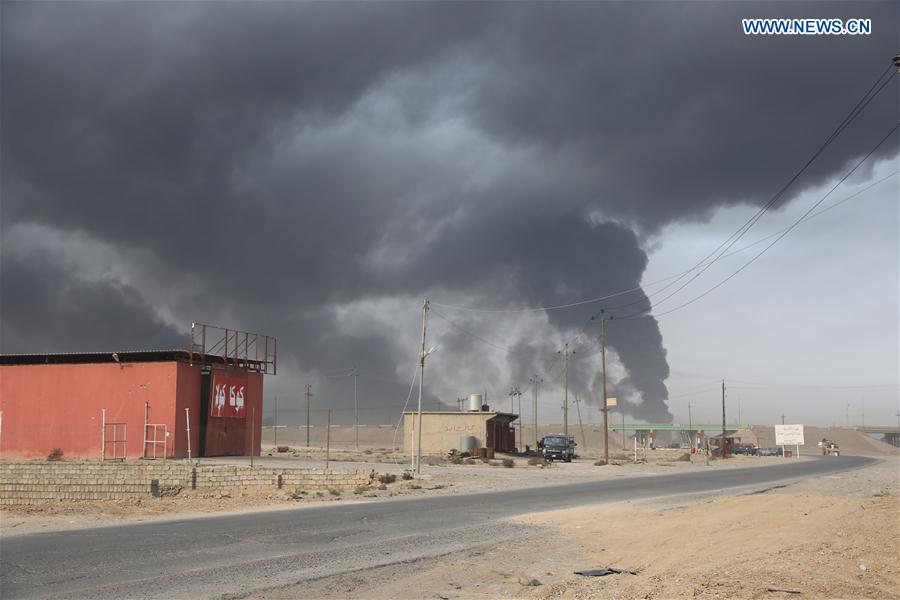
{"type": "Point", "coordinates": [308, 396]}
{"type": "Point", "coordinates": [356, 404]}
{"type": "Point", "coordinates": [252, 433]}
{"type": "Point", "coordinates": [187, 420]}
{"type": "Point", "coordinates": [102, 434]}
{"type": "Point", "coordinates": [275, 428]}
{"type": "Point", "coordinates": [421, 389]}
{"type": "Point", "coordinates": [146, 421]}
{"type": "Point", "coordinates": [328, 440]}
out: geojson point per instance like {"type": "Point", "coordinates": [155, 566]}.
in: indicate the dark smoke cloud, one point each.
{"type": "Point", "coordinates": [287, 164]}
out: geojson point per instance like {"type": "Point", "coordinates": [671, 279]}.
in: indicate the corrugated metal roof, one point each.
{"type": "Point", "coordinates": [94, 357]}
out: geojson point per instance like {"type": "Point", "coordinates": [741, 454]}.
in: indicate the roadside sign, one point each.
{"type": "Point", "coordinates": [789, 435]}
{"type": "Point", "coordinates": [611, 402]}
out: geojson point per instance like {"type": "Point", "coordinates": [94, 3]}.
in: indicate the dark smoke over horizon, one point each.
{"type": "Point", "coordinates": [315, 170]}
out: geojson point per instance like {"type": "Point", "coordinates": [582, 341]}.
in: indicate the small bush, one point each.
{"type": "Point", "coordinates": [456, 460]}
{"type": "Point", "coordinates": [407, 476]}
{"type": "Point", "coordinates": [387, 478]}
{"type": "Point", "coordinates": [684, 457]}
{"type": "Point", "coordinates": [367, 452]}
{"type": "Point", "coordinates": [55, 454]}
{"type": "Point", "coordinates": [334, 492]}
{"type": "Point", "coordinates": [319, 494]}
{"type": "Point", "coordinates": [508, 463]}
{"type": "Point", "coordinates": [281, 449]}
{"type": "Point", "coordinates": [382, 487]}
{"type": "Point", "coordinates": [600, 463]}
{"type": "Point", "coordinates": [360, 489]}
{"type": "Point", "coordinates": [415, 486]}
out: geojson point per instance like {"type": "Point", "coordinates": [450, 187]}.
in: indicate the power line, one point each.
{"type": "Point", "coordinates": [733, 238]}
{"type": "Point", "coordinates": [741, 231]}
{"type": "Point", "coordinates": [635, 316]}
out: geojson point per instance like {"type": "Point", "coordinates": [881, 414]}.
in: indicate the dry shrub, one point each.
{"type": "Point", "coordinates": [387, 478]}
{"type": "Point", "coordinates": [508, 463]}
{"type": "Point", "coordinates": [55, 454]}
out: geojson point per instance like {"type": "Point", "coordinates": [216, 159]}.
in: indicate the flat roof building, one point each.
{"type": "Point", "coordinates": [446, 431]}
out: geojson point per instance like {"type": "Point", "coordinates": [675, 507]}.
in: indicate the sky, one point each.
{"type": "Point", "coordinates": [314, 171]}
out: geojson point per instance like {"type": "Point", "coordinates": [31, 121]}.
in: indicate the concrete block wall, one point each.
{"type": "Point", "coordinates": [34, 482]}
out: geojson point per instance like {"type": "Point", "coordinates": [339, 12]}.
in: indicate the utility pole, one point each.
{"type": "Point", "coordinates": [723, 419]}
{"type": "Point", "coordinates": [276, 424]}
{"type": "Point", "coordinates": [535, 384]}
{"type": "Point", "coordinates": [580, 425]}
{"type": "Point", "coordinates": [355, 374]}
{"type": "Point", "coordinates": [513, 393]}
{"type": "Point", "coordinates": [690, 424]}
{"type": "Point", "coordinates": [739, 409]}
{"type": "Point", "coordinates": [421, 389]}
{"type": "Point", "coordinates": [308, 396]}
{"type": "Point", "coordinates": [848, 414]}
{"type": "Point", "coordinates": [565, 353]}
{"type": "Point", "coordinates": [605, 409]}
{"type": "Point", "coordinates": [782, 418]}
{"type": "Point", "coordinates": [863, 411]}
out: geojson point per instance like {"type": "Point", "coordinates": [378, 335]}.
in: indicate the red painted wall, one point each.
{"type": "Point", "coordinates": [228, 436]}
{"type": "Point", "coordinates": [59, 406]}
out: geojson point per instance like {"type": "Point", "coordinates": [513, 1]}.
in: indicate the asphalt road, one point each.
{"type": "Point", "coordinates": [237, 555]}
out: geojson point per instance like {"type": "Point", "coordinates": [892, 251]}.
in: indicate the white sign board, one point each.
{"type": "Point", "coordinates": [611, 401]}
{"type": "Point", "coordinates": [789, 435]}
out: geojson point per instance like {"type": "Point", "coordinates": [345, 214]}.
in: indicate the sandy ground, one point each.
{"type": "Point", "coordinates": [836, 536]}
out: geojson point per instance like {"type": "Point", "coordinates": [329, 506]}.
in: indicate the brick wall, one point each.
{"type": "Point", "coordinates": [31, 482]}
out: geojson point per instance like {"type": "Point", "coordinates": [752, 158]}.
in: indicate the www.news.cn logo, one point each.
{"type": "Point", "coordinates": [807, 26]}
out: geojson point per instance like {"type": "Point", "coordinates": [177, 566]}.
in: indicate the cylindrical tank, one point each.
{"type": "Point", "coordinates": [475, 402]}
{"type": "Point", "coordinates": [467, 443]}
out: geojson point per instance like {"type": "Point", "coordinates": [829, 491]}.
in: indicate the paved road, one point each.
{"type": "Point", "coordinates": [234, 556]}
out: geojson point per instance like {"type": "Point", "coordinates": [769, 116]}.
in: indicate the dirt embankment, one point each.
{"type": "Point", "coordinates": [852, 442]}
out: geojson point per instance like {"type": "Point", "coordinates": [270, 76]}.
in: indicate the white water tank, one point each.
{"type": "Point", "coordinates": [475, 401]}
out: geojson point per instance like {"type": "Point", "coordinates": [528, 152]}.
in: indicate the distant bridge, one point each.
{"type": "Point", "coordinates": [891, 435]}
{"type": "Point", "coordinates": [675, 427]}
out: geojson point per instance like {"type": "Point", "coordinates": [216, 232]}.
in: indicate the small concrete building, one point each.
{"type": "Point", "coordinates": [446, 431]}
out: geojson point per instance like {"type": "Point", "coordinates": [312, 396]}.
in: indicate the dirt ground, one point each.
{"type": "Point", "coordinates": [438, 477]}
{"type": "Point", "coordinates": [836, 536]}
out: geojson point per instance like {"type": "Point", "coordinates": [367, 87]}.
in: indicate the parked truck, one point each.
{"type": "Point", "coordinates": [557, 447]}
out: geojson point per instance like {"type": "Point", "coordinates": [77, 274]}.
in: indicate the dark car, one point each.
{"type": "Point", "coordinates": [745, 449]}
